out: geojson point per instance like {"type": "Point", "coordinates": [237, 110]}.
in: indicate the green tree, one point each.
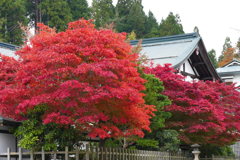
{"type": "Point", "coordinates": [12, 16]}
{"type": "Point", "coordinates": [136, 20]}
{"type": "Point", "coordinates": [213, 58]}
{"type": "Point", "coordinates": [34, 135]}
{"type": "Point", "coordinates": [56, 13]}
{"type": "Point", "coordinates": [159, 138]}
{"type": "Point", "coordinates": [227, 44]}
{"type": "Point", "coordinates": [34, 12]}
{"type": "Point", "coordinates": [151, 26]}
{"type": "Point", "coordinates": [79, 9]}
{"type": "Point", "coordinates": [153, 96]}
{"type": "Point", "coordinates": [171, 25]}
{"type": "Point", "coordinates": [123, 7]}
{"type": "Point", "coordinates": [2, 21]}
{"type": "Point", "coordinates": [102, 12]}
{"type": "Point", "coordinates": [209, 150]}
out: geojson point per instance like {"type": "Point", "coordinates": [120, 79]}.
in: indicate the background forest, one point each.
{"type": "Point", "coordinates": [127, 16]}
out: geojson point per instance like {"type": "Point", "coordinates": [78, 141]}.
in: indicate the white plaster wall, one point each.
{"type": "Point", "coordinates": [236, 79]}
{"type": "Point", "coordinates": [188, 68]}
{"type": "Point", "coordinates": [7, 140]}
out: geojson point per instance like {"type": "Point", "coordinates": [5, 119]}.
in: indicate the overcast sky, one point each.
{"type": "Point", "coordinates": [216, 19]}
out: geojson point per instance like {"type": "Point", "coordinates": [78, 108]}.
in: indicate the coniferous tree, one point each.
{"type": "Point", "coordinates": [123, 9]}
{"type": "Point", "coordinates": [171, 25]}
{"type": "Point", "coordinates": [79, 9]}
{"type": "Point", "coordinates": [2, 21]}
{"type": "Point", "coordinates": [102, 12]}
{"type": "Point", "coordinates": [12, 16]}
{"type": "Point", "coordinates": [227, 44]}
{"type": "Point", "coordinates": [56, 13]}
{"type": "Point", "coordinates": [212, 56]}
{"type": "Point", "coordinates": [136, 20]}
{"type": "Point", "coordinates": [238, 47]}
{"type": "Point", "coordinates": [34, 12]}
{"type": "Point", "coordinates": [151, 26]}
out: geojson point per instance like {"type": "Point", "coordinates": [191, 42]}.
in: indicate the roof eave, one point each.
{"type": "Point", "coordinates": [208, 61]}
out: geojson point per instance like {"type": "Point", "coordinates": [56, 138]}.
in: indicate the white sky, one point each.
{"type": "Point", "coordinates": [216, 19]}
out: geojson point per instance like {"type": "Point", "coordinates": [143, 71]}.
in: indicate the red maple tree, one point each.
{"type": "Point", "coordinates": [84, 77]}
{"type": "Point", "coordinates": [202, 111]}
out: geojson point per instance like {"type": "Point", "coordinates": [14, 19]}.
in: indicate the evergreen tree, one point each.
{"type": "Point", "coordinates": [158, 138]}
{"type": "Point", "coordinates": [212, 56]}
{"type": "Point", "coordinates": [238, 47]}
{"type": "Point", "coordinates": [130, 16]}
{"type": "Point", "coordinates": [136, 20]}
{"type": "Point", "coordinates": [102, 12]}
{"type": "Point", "coordinates": [2, 21]}
{"type": "Point", "coordinates": [34, 12]}
{"type": "Point", "coordinates": [123, 7]}
{"type": "Point", "coordinates": [151, 26]}
{"type": "Point", "coordinates": [227, 44]}
{"type": "Point", "coordinates": [79, 9]}
{"type": "Point", "coordinates": [56, 13]}
{"type": "Point", "coordinates": [171, 25]}
{"type": "Point", "coordinates": [12, 16]}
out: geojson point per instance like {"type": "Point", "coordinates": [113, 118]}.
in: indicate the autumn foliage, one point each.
{"type": "Point", "coordinates": [84, 77]}
{"type": "Point", "coordinates": [229, 54]}
{"type": "Point", "coordinates": [203, 112]}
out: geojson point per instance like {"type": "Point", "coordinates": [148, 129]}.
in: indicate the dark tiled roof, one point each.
{"type": "Point", "coordinates": [8, 46]}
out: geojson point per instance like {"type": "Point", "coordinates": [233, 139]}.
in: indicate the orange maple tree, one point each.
{"type": "Point", "coordinates": [228, 57]}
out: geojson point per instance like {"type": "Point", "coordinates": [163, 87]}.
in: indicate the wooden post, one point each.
{"type": "Point", "coordinates": [77, 154]}
{"type": "Point", "coordinates": [66, 153]}
{"type": "Point", "coordinates": [92, 153]}
{"type": "Point", "coordinates": [43, 154]}
{"type": "Point", "coordinates": [110, 153]}
{"type": "Point", "coordinates": [8, 154]}
{"type": "Point", "coordinates": [54, 155]}
{"type": "Point", "coordinates": [123, 153]}
{"type": "Point", "coordinates": [87, 151]}
{"type": "Point", "coordinates": [20, 154]}
{"type": "Point", "coordinates": [31, 155]}
{"type": "Point", "coordinates": [102, 158]}
{"type": "Point", "coordinates": [97, 149]}
{"type": "Point", "coordinates": [135, 154]}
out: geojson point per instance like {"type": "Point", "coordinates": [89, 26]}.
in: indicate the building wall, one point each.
{"type": "Point", "coordinates": [232, 79]}
{"type": "Point", "coordinates": [6, 140]}
{"type": "Point", "coordinates": [236, 79]}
